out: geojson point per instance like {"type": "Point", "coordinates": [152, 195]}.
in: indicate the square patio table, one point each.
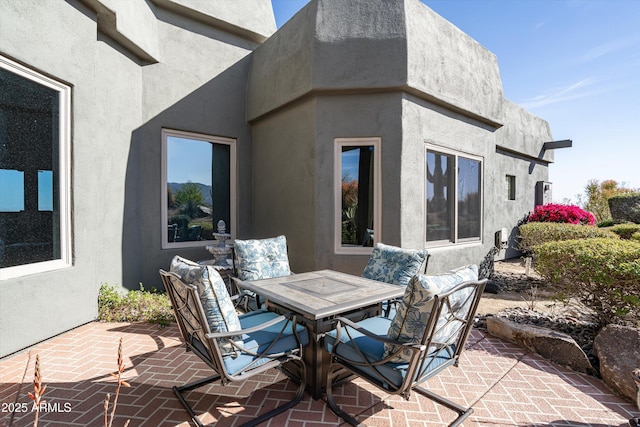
{"type": "Point", "coordinates": [318, 297]}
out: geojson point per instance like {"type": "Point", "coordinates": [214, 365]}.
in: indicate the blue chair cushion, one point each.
{"type": "Point", "coordinates": [410, 321]}
{"type": "Point", "coordinates": [262, 259]}
{"type": "Point", "coordinates": [218, 308]}
{"type": "Point", "coordinates": [394, 265]}
{"type": "Point", "coordinates": [260, 341]}
{"type": "Point", "coordinates": [361, 349]}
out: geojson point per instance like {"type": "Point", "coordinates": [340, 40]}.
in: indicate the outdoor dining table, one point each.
{"type": "Point", "coordinates": [318, 297]}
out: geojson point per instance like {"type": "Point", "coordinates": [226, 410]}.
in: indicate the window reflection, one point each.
{"type": "Point", "coordinates": [45, 190]}
{"type": "Point", "coordinates": [468, 198]}
{"type": "Point", "coordinates": [357, 195]}
{"type": "Point", "coordinates": [454, 197]}
{"type": "Point", "coordinates": [30, 146]}
{"type": "Point", "coordinates": [12, 190]}
{"type": "Point", "coordinates": [440, 186]}
{"type": "Point", "coordinates": [198, 188]}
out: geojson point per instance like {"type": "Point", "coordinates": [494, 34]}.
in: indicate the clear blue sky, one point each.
{"type": "Point", "coordinates": [574, 63]}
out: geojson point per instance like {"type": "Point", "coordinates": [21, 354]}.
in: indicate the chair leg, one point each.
{"type": "Point", "coordinates": [187, 387]}
{"type": "Point", "coordinates": [261, 418]}
{"type": "Point", "coordinates": [462, 412]}
{"type": "Point", "coordinates": [286, 406]}
{"type": "Point", "coordinates": [332, 404]}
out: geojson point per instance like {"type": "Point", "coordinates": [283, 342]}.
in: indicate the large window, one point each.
{"type": "Point", "coordinates": [357, 194]}
{"type": "Point", "coordinates": [198, 187]}
{"type": "Point", "coordinates": [34, 172]}
{"type": "Point", "coordinates": [454, 197]}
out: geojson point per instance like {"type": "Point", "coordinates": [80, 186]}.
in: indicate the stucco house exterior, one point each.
{"type": "Point", "coordinates": [357, 122]}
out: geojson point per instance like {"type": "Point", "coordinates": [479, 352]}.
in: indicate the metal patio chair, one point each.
{"type": "Point", "coordinates": [235, 348]}
{"type": "Point", "coordinates": [427, 335]}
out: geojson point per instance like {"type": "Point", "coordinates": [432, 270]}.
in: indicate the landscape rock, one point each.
{"type": "Point", "coordinates": [555, 346]}
{"type": "Point", "coordinates": [636, 379]}
{"type": "Point", "coordinates": [492, 287]}
{"type": "Point", "coordinates": [618, 348]}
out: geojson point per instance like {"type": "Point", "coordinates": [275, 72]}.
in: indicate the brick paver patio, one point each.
{"type": "Point", "coordinates": [505, 384]}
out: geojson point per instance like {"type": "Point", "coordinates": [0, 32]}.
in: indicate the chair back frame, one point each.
{"type": "Point", "coordinates": [191, 320]}
{"type": "Point", "coordinates": [428, 356]}
{"type": "Point", "coordinates": [199, 339]}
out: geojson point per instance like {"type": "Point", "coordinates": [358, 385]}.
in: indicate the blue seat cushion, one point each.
{"type": "Point", "coordinates": [260, 341]}
{"type": "Point", "coordinates": [360, 347]}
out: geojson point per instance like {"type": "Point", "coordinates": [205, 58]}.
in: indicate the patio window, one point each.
{"type": "Point", "coordinates": [357, 194]}
{"type": "Point", "coordinates": [35, 127]}
{"type": "Point", "coordinates": [198, 187]}
{"type": "Point", "coordinates": [453, 197]}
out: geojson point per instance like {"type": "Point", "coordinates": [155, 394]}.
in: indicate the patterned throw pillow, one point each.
{"type": "Point", "coordinates": [218, 308]}
{"type": "Point", "coordinates": [394, 265]}
{"type": "Point", "coordinates": [262, 259]}
{"type": "Point", "coordinates": [412, 316]}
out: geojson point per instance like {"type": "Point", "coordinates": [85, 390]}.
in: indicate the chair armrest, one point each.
{"type": "Point", "coordinates": [385, 340]}
{"type": "Point", "coordinates": [231, 334]}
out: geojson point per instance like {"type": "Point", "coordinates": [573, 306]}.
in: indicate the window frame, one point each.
{"type": "Point", "coordinates": [338, 143]}
{"type": "Point", "coordinates": [64, 178]}
{"type": "Point", "coordinates": [231, 228]}
{"type": "Point", "coordinates": [453, 240]}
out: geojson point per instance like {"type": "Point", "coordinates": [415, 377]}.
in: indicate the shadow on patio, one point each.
{"type": "Point", "coordinates": [506, 386]}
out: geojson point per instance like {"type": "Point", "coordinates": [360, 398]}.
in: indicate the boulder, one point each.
{"type": "Point", "coordinates": [618, 349]}
{"type": "Point", "coordinates": [555, 346]}
{"type": "Point", "coordinates": [636, 379]}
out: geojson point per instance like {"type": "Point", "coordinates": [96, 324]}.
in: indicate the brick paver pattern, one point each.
{"type": "Point", "coordinates": [505, 384]}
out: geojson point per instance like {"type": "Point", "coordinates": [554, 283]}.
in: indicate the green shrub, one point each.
{"type": "Point", "coordinates": [635, 237]}
{"type": "Point", "coordinates": [625, 231]}
{"type": "Point", "coordinates": [604, 274]}
{"type": "Point", "coordinates": [207, 230]}
{"type": "Point", "coordinates": [625, 207]}
{"type": "Point", "coordinates": [609, 223]}
{"type": "Point", "coordinates": [533, 234]}
{"type": "Point", "coordinates": [134, 306]}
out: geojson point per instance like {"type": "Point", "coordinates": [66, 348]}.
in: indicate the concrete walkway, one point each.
{"type": "Point", "coordinates": [505, 384]}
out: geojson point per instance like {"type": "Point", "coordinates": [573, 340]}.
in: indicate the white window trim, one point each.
{"type": "Point", "coordinates": [376, 142]}
{"type": "Point", "coordinates": [231, 228]}
{"type": "Point", "coordinates": [64, 163]}
{"type": "Point", "coordinates": [458, 242]}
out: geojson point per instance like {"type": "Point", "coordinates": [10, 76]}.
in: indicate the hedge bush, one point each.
{"type": "Point", "coordinates": [134, 306]}
{"type": "Point", "coordinates": [636, 237]}
{"type": "Point", "coordinates": [625, 231]}
{"type": "Point", "coordinates": [625, 207]}
{"type": "Point", "coordinates": [609, 223]}
{"type": "Point", "coordinates": [534, 234]}
{"type": "Point", "coordinates": [604, 274]}
{"type": "Point", "coordinates": [569, 214]}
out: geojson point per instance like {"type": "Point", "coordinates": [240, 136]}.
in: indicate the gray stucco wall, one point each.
{"type": "Point", "coordinates": [120, 102]}
{"type": "Point", "coordinates": [363, 68]}
{"type": "Point", "coordinates": [398, 71]}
